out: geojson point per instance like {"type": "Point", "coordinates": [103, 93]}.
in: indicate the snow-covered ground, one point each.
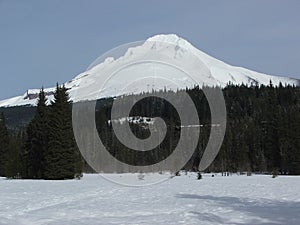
{"type": "Point", "coordinates": [181, 200]}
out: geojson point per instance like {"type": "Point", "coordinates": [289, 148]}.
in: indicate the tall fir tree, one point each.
{"type": "Point", "coordinates": [15, 164]}
{"type": "Point", "coordinates": [37, 139]}
{"type": "Point", "coordinates": [4, 145]}
{"type": "Point", "coordinates": [62, 159]}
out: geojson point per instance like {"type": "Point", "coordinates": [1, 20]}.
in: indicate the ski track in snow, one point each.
{"type": "Point", "coordinates": [258, 199]}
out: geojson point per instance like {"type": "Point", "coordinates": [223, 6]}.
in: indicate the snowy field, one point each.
{"type": "Point", "coordinates": [182, 200]}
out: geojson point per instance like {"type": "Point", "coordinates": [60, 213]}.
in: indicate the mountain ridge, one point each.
{"type": "Point", "coordinates": [221, 74]}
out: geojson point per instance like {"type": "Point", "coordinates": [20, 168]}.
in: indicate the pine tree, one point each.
{"type": "Point", "coordinates": [62, 159]}
{"type": "Point", "coordinates": [37, 139]}
{"type": "Point", "coordinates": [4, 145]}
{"type": "Point", "coordinates": [272, 150]}
{"type": "Point", "coordinates": [15, 167]}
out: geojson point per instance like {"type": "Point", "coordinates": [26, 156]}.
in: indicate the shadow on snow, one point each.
{"type": "Point", "coordinates": [276, 212]}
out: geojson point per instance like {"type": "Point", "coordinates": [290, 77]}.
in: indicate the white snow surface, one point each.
{"type": "Point", "coordinates": [86, 85]}
{"type": "Point", "coordinates": [257, 199]}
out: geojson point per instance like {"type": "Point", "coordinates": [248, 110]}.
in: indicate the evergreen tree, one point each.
{"type": "Point", "coordinates": [272, 150]}
{"type": "Point", "coordinates": [4, 145]}
{"type": "Point", "coordinates": [37, 139]}
{"type": "Point", "coordinates": [15, 167]}
{"type": "Point", "coordinates": [62, 159]}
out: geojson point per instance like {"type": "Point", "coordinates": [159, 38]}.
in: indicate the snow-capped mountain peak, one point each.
{"type": "Point", "coordinates": [84, 86]}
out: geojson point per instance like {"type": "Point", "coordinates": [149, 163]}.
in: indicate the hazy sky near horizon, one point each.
{"type": "Point", "coordinates": [44, 42]}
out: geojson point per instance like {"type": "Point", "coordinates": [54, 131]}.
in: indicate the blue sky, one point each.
{"type": "Point", "coordinates": [44, 42]}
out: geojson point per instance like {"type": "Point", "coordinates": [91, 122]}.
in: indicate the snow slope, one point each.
{"type": "Point", "coordinates": [258, 199]}
{"type": "Point", "coordinates": [220, 74]}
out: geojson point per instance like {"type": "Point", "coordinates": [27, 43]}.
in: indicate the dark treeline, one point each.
{"type": "Point", "coordinates": [46, 149]}
{"type": "Point", "coordinates": [262, 135]}
{"type": "Point", "coordinates": [263, 130]}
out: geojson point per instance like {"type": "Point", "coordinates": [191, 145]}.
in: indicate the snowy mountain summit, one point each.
{"type": "Point", "coordinates": [85, 86]}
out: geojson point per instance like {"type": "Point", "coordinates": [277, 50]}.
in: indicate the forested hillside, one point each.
{"type": "Point", "coordinates": [262, 135]}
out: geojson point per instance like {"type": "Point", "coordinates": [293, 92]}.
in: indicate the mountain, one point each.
{"type": "Point", "coordinates": [86, 85]}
